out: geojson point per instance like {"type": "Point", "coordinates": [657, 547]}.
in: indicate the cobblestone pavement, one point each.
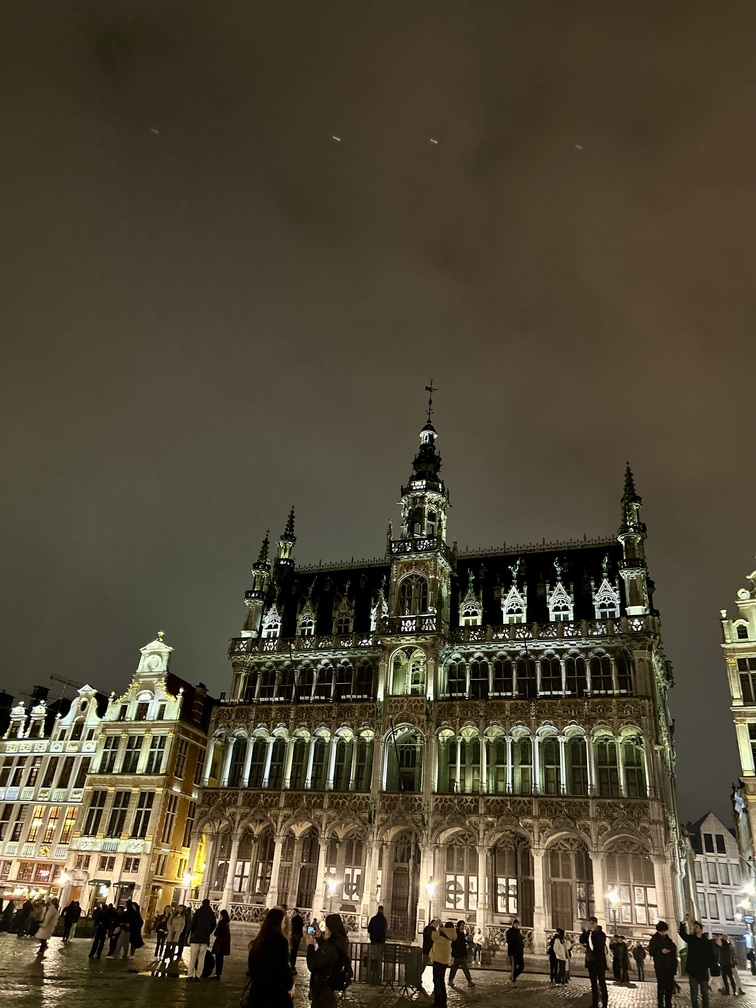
{"type": "Point", "coordinates": [66, 978]}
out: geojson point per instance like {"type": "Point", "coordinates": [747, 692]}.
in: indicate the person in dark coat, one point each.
{"type": "Point", "coordinates": [378, 927]}
{"type": "Point", "coordinates": [160, 930]}
{"type": "Point", "coordinates": [71, 916]}
{"type": "Point", "coordinates": [726, 957]}
{"type": "Point", "coordinates": [663, 951]}
{"type": "Point", "coordinates": [594, 941]}
{"type": "Point", "coordinates": [515, 949]}
{"type": "Point", "coordinates": [295, 940]}
{"type": "Point", "coordinates": [268, 965]}
{"type": "Point", "coordinates": [620, 960]}
{"type": "Point", "coordinates": [639, 954]}
{"type": "Point", "coordinates": [101, 920]}
{"type": "Point", "coordinates": [324, 956]}
{"type": "Point", "coordinates": [222, 944]}
{"type": "Point", "coordinates": [134, 918]}
{"type": "Point", "coordinates": [699, 960]}
{"type": "Point", "coordinates": [200, 932]}
{"type": "Point", "coordinates": [459, 951]}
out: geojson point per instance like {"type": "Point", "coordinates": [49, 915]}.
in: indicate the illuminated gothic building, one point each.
{"type": "Point", "coordinates": [481, 733]}
{"type": "Point", "coordinates": [131, 838]}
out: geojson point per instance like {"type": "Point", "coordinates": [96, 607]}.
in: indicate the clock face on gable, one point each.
{"type": "Point", "coordinates": [153, 662]}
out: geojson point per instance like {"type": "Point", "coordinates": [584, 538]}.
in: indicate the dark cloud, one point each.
{"type": "Point", "coordinates": [211, 309]}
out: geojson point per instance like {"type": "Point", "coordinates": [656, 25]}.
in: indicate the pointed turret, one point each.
{"type": "Point", "coordinates": [256, 597]}
{"type": "Point", "coordinates": [425, 498]}
{"type": "Point", "coordinates": [286, 542]}
{"type": "Point", "coordinates": [632, 535]}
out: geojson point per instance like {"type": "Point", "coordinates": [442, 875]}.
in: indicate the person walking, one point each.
{"type": "Point", "coordinates": [559, 945]}
{"type": "Point", "coordinates": [176, 928]}
{"type": "Point", "coordinates": [295, 940]}
{"type": "Point", "coordinates": [48, 925]}
{"type": "Point", "coordinates": [71, 916]}
{"type": "Point", "coordinates": [459, 950]}
{"type": "Point", "coordinates": [594, 941]}
{"type": "Point", "coordinates": [328, 962]}
{"type": "Point", "coordinates": [663, 952]}
{"type": "Point", "coordinates": [200, 932]}
{"type": "Point", "coordinates": [441, 958]}
{"type": "Point", "coordinates": [160, 930]}
{"type": "Point", "coordinates": [699, 960]}
{"type": "Point", "coordinates": [100, 918]}
{"type": "Point", "coordinates": [269, 965]}
{"type": "Point", "coordinates": [222, 944]}
{"type": "Point", "coordinates": [639, 954]}
{"type": "Point", "coordinates": [378, 927]}
{"type": "Point", "coordinates": [515, 949]}
{"type": "Point", "coordinates": [726, 956]}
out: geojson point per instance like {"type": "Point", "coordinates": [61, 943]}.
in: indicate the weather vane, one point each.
{"type": "Point", "coordinates": [430, 390]}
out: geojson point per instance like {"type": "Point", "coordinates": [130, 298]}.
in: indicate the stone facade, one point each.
{"type": "Point", "coordinates": [480, 734]}
{"type": "Point", "coordinates": [132, 835]}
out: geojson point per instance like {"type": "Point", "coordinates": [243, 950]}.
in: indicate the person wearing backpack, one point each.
{"type": "Point", "coordinates": [328, 962]}
{"type": "Point", "coordinates": [459, 955]}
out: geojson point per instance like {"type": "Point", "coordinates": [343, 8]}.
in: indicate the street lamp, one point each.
{"type": "Point", "coordinates": [430, 889]}
{"type": "Point", "coordinates": [613, 898]}
{"type": "Point", "coordinates": [187, 880]}
{"type": "Point", "coordinates": [332, 885]}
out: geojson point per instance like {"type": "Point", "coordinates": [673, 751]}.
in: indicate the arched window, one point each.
{"type": "Point", "coordinates": [309, 869]}
{"type": "Point", "coordinates": [742, 632]}
{"type": "Point", "coordinates": [525, 686]}
{"type": "Point", "coordinates": [502, 683]}
{"type": "Point", "coordinates": [285, 691]}
{"type": "Point", "coordinates": [320, 747]}
{"type": "Point", "coordinates": [456, 677]}
{"type": "Point", "coordinates": [408, 672]}
{"type": "Point", "coordinates": [522, 766]}
{"type": "Point", "coordinates": [577, 766]}
{"type": "Point", "coordinates": [267, 683]}
{"type": "Point", "coordinates": [551, 675]}
{"type": "Point", "coordinates": [342, 772]}
{"type": "Point", "coordinates": [413, 595]}
{"type": "Point", "coordinates": [306, 627]}
{"type": "Point", "coordinates": [257, 766]}
{"type": "Point", "coordinates": [607, 772]}
{"type": "Point", "coordinates": [324, 683]}
{"type": "Point", "coordinates": [243, 864]}
{"type": "Point", "coordinates": [446, 767]}
{"type": "Point", "coordinates": [576, 679]}
{"type": "Point", "coordinates": [305, 683]}
{"type": "Point", "coordinates": [601, 674]}
{"type": "Point", "coordinates": [277, 761]}
{"type": "Point", "coordinates": [344, 676]}
{"type": "Point", "coordinates": [461, 877]}
{"type": "Point", "coordinates": [551, 769]}
{"type": "Point", "coordinates": [266, 846]}
{"type": "Point", "coordinates": [497, 763]}
{"type": "Point", "coordinates": [478, 678]}
{"type": "Point", "coordinates": [632, 761]}
{"type": "Point", "coordinates": [363, 767]}
{"type": "Point", "coordinates": [622, 664]}
{"type": "Point", "coordinates": [630, 873]}
{"type": "Point", "coordinates": [363, 688]}
{"type": "Point", "coordinates": [470, 615]}
{"type": "Point", "coordinates": [404, 760]}
{"type": "Point", "coordinates": [238, 756]}
{"type": "Point", "coordinates": [469, 762]}
{"type": "Point", "coordinates": [299, 750]}
{"type": "Point", "coordinates": [571, 873]}
{"type": "Point", "coordinates": [512, 882]}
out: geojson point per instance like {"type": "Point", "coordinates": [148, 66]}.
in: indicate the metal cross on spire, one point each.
{"type": "Point", "coordinates": [430, 390]}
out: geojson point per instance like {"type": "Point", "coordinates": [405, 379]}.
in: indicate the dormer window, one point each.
{"type": "Point", "coordinates": [470, 615]}
{"type": "Point", "coordinates": [560, 604]}
{"type": "Point", "coordinates": [141, 711]}
{"type": "Point", "coordinates": [742, 632]}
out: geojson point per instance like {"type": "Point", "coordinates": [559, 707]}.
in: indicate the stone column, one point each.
{"type": "Point", "coordinates": [663, 884]}
{"type": "Point", "coordinates": [509, 764]}
{"type": "Point", "coordinates": [318, 900]}
{"type": "Point", "coordinates": [211, 863]}
{"type": "Point", "coordinates": [331, 762]}
{"type": "Point", "coordinates": [591, 760]}
{"type": "Point", "coordinates": [536, 743]}
{"type": "Point", "coordinates": [266, 770]}
{"type": "Point", "coordinates": [228, 890]}
{"type": "Point", "coordinates": [483, 914]}
{"type": "Point", "coordinates": [539, 913]}
{"type": "Point", "coordinates": [598, 862]}
{"type": "Point", "coordinates": [208, 762]}
{"type": "Point", "coordinates": [144, 753]}
{"type": "Point", "coordinates": [275, 870]}
{"type": "Point", "coordinates": [563, 765]}
{"type": "Point", "coordinates": [247, 761]}
{"type": "Point", "coordinates": [621, 768]}
{"type": "Point", "coordinates": [371, 878]}
{"type": "Point", "coordinates": [427, 876]}
{"type": "Point", "coordinates": [287, 763]}
{"type": "Point", "coordinates": [193, 845]}
{"type": "Point", "coordinates": [296, 868]}
{"type": "Point", "coordinates": [227, 761]}
{"type": "Point", "coordinates": [483, 764]}
{"type": "Point", "coordinates": [310, 758]}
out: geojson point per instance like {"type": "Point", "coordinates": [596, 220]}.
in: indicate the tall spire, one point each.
{"type": "Point", "coordinates": [263, 557]}
{"type": "Point", "coordinates": [286, 543]}
{"type": "Point", "coordinates": [425, 498]}
{"type": "Point", "coordinates": [630, 492]}
{"type": "Point", "coordinates": [631, 504]}
{"type": "Point", "coordinates": [632, 534]}
{"type": "Point", "coordinates": [289, 530]}
{"type": "Point", "coordinates": [430, 390]}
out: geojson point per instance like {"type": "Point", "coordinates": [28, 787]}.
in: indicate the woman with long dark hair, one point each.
{"type": "Point", "coordinates": [269, 970]}
{"type": "Point", "coordinates": [327, 956]}
{"type": "Point", "coordinates": [222, 943]}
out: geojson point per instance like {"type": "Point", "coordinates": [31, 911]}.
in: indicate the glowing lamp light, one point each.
{"type": "Point", "coordinates": [749, 889]}
{"type": "Point", "coordinates": [430, 888]}
{"type": "Point", "coordinates": [333, 885]}
{"type": "Point", "coordinates": [188, 879]}
{"type": "Point", "coordinates": [63, 878]}
{"type": "Point", "coordinates": [613, 897]}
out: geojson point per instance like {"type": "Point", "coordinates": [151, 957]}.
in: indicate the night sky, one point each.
{"type": "Point", "coordinates": [212, 309]}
